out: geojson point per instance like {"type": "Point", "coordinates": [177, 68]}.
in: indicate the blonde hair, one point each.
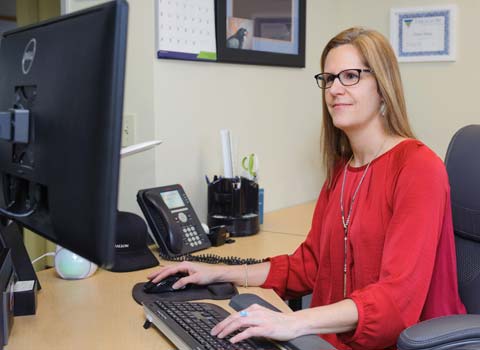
{"type": "Point", "coordinates": [377, 55]}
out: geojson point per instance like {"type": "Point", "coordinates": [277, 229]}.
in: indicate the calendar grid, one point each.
{"type": "Point", "coordinates": [186, 29]}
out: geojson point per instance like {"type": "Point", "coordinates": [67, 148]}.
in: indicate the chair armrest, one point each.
{"type": "Point", "coordinates": [461, 331]}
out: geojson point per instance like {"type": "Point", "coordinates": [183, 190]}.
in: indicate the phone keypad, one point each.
{"type": "Point", "coordinates": [191, 236]}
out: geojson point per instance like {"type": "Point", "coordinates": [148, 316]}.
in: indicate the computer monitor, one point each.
{"type": "Point", "coordinates": [61, 106]}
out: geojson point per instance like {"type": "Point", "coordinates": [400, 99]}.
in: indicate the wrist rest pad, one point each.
{"type": "Point", "coordinates": [216, 291]}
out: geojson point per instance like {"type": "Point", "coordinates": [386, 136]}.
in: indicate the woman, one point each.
{"type": "Point", "coordinates": [380, 255]}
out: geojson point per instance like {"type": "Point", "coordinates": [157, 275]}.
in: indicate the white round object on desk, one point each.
{"type": "Point", "coordinates": [71, 266]}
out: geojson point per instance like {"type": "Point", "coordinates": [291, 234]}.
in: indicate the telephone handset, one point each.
{"type": "Point", "coordinates": [174, 225]}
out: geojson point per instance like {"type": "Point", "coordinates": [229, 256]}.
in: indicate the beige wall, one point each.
{"type": "Point", "coordinates": [441, 96]}
{"type": "Point", "coordinates": [32, 11]}
{"type": "Point", "coordinates": [272, 111]}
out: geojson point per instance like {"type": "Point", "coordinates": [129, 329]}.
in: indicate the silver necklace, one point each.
{"type": "Point", "coordinates": [346, 222]}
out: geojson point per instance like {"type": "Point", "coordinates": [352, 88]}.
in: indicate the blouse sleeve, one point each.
{"type": "Point", "coordinates": [292, 276]}
{"type": "Point", "coordinates": [420, 198]}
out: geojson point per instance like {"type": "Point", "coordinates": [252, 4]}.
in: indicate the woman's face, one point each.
{"type": "Point", "coordinates": [355, 107]}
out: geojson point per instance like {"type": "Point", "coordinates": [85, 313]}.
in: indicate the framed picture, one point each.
{"type": "Point", "coordinates": [423, 33]}
{"type": "Point", "coordinates": [267, 32]}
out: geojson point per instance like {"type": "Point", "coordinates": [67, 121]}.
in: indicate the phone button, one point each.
{"type": "Point", "coordinates": [182, 217]}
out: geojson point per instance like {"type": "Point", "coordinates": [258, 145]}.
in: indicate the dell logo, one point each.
{"type": "Point", "coordinates": [29, 56]}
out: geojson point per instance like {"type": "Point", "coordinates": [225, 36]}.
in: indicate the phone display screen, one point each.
{"type": "Point", "coordinates": [172, 199]}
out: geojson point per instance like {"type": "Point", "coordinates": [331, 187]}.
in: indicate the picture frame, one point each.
{"type": "Point", "coordinates": [423, 33]}
{"type": "Point", "coordinates": [261, 32]}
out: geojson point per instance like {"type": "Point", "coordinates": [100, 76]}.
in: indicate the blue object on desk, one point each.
{"type": "Point", "coordinates": [260, 205]}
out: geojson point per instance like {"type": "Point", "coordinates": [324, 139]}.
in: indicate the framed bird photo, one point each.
{"type": "Point", "coordinates": [267, 32]}
{"type": "Point", "coordinates": [237, 33]}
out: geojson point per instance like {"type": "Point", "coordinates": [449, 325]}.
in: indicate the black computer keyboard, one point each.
{"type": "Point", "coordinates": [188, 326]}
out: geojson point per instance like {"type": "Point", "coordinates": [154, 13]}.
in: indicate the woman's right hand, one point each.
{"type": "Point", "coordinates": [197, 273]}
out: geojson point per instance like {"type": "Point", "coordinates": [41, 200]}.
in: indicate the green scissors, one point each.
{"type": "Point", "coordinates": [250, 165]}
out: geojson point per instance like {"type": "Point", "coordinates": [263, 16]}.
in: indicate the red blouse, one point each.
{"type": "Point", "coordinates": [401, 265]}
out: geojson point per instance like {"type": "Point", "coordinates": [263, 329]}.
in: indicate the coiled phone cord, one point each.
{"type": "Point", "coordinates": [213, 259]}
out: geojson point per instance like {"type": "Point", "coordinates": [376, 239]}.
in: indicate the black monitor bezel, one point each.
{"type": "Point", "coordinates": [101, 248]}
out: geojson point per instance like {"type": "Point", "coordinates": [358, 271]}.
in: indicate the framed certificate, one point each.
{"type": "Point", "coordinates": [423, 33]}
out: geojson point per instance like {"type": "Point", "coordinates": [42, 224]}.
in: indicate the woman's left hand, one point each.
{"type": "Point", "coordinates": [258, 321]}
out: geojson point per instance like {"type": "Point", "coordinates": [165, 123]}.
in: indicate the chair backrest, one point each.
{"type": "Point", "coordinates": [463, 167]}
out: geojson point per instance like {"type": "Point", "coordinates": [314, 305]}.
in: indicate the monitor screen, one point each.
{"type": "Point", "coordinates": [62, 84]}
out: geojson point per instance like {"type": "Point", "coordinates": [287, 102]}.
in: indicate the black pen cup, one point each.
{"type": "Point", "coordinates": [233, 202]}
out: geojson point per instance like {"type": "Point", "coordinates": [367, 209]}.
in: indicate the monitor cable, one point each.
{"type": "Point", "coordinates": [43, 256]}
{"type": "Point", "coordinates": [24, 214]}
{"type": "Point", "coordinates": [34, 192]}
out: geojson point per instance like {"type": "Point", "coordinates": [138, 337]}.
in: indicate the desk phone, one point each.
{"type": "Point", "coordinates": [174, 224]}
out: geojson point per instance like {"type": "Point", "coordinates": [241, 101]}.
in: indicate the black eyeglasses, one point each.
{"type": "Point", "coordinates": [347, 77]}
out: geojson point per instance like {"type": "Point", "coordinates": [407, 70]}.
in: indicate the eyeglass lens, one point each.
{"type": "Point", "coordinates": [347, 78]}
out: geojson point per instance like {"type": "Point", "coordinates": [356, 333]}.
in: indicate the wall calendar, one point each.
{"type": "Point", "coordinates": [185, 29]}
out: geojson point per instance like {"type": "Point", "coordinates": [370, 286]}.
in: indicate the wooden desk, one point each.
{"type": "Point", "coordinates": [99, 312]}
{"type": "Point", "coordinates": [263, 245]}
{"type": "Point", "coordinates": [294, 220]}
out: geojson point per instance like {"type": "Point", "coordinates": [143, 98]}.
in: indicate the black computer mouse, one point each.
{"type": "Point", "coordinates": [164, 285]}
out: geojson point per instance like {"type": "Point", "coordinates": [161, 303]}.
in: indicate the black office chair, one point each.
{"type": "Point", "coordinates": [459, 332]}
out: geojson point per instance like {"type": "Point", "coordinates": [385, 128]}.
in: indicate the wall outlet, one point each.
{"type": "Point", "coordinates": [128, 130]}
